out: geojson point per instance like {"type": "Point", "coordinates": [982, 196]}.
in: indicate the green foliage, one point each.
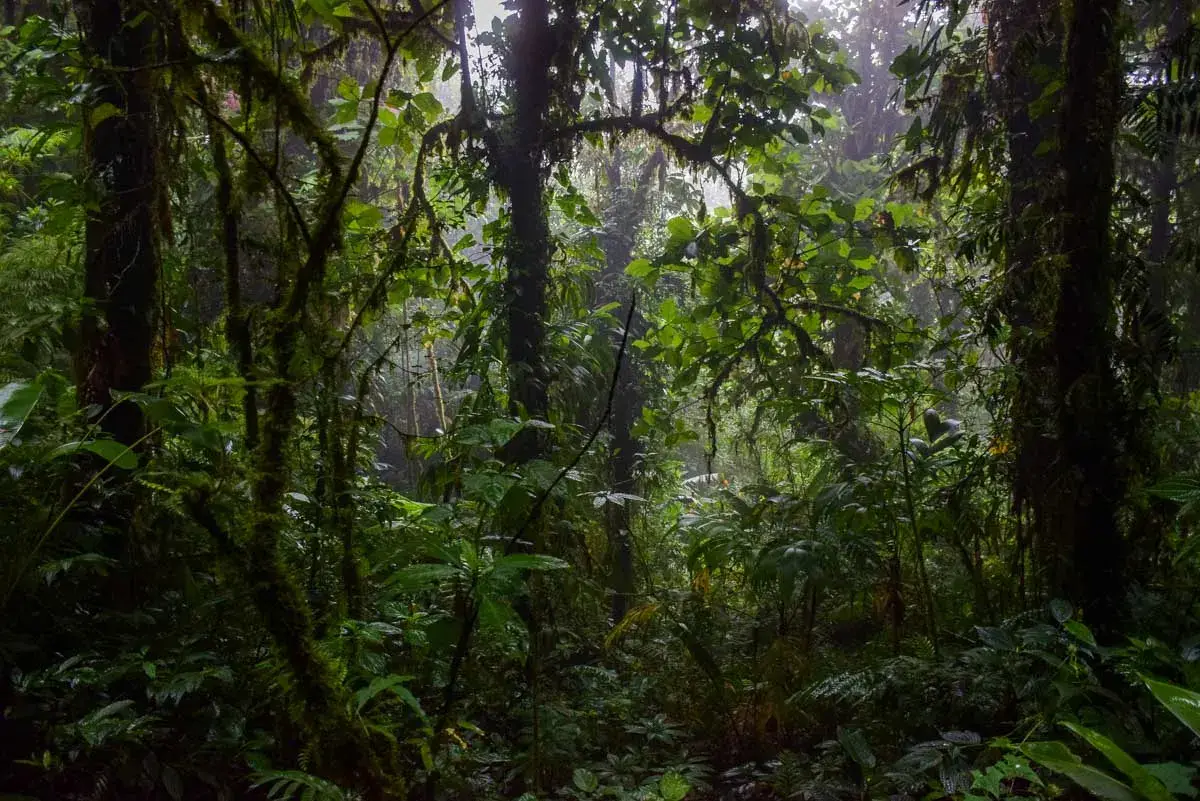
{"type": "Point", "coordinates": [767, 535]}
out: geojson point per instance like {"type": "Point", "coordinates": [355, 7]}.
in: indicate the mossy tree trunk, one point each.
{"type": "Point", "coordinates": [122, 262]}
{"type": "Point", "coordinates": [1059, 284]}
{"type": "Point", "coordinates": [522, 171]}
{"type": "Point", "coordinates": [624, 218]}
{"type": "Point", "coordinates": [1026, 44]}
{"type": "Point", "coordinates": [1091, 415]}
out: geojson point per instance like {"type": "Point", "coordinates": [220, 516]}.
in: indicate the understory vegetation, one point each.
{"type": "Point", "coordinates": [600, 399]}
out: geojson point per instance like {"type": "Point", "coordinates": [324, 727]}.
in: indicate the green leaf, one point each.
{"type": "Point", "coordinates": [108, 449]}
{"type": "Point", "coordinates": [16, 403]}
{"type": "Point", "coordinates": [1061, 610]}
{"type": "Point", "coordinates": [996, 638]}
{"type": "Point", "coordinates": [494, 615]}
{"type": "Point", "coordinates": [502, 429]}
{"type": "Point", "coordinates": [864, 209]}
{"type": "Point", "coordinates": [912, 139]}
{"type": "Point", "coordinates": [857, 748]}
{"type": "Point", "coordinates": [115, 708]}
{"type": "Point", "coordinates": [862, 282]}
{"type": "Point", "coordinates": [908, 63]}
{"type": "Point", "coordinates": [530, 561]}
{"type": "Point", "coordinates": [585, 780]}
{"type": "Point", "coordinates": [1175, 777]}
{"type": "Point", "coordinates": [101, 113]}
{"type": "Point", "coordinates": [93, 562]}
{"type": "Point", "coordinates": [377, 686]}
{"type": "Point", "coordinates": [1059, 758]}
{"type": "Point", "coordinates": [410, 700]}
{"type": "Point", "coordinates": [430, 105]}
{"type": "Point", "coordinates": [1180, 489]}
{"type": "Point", "coordinates": [1081, 632]}
{"type": "Point", "coordinates": [1183, 704]}
{"type": "Point", "coordinates": [488, 487]}
{"type": "Point", "coordinates": [673, 787]}
{"type": "Point", "coordinates": [416, 578]}
{"type": "Point", "coordinates": [639, 268]}
{"type": "Point", "coordinates": [680, 229]}
{"type": "Point", "coordinates": [1146, 784]}
{"type": "Point", "coordinates": [704, 658]}
{"type": "Point", "coordinates": [669, 309]}
{"type": "Point", "coordinates": [363, 216]}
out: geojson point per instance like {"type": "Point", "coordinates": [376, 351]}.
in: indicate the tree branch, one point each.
{"type": "Point", "coordinates": [271, 173]}
{"type": "Point", "coordinates": [536, 511]}
{"type": "Point", "coordinates": [330, 224]}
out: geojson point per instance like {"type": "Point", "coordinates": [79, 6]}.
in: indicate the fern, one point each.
{"type": "Point", "coordinates": [283, 785]}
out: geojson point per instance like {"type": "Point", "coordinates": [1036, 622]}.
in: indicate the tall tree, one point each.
{"type": "Point", "coordinates": [624, 216]}
{"type": "Point", "coordinates": [1060, 277]}
{"type": "Point", "coordinates": [1025, 41]}
{"type": "Point", "coordinates": [123, 142]}
{"type": "Point", "coordinates": [522, 173]}
{"type": "Point", "coordinates": [1091, 417]}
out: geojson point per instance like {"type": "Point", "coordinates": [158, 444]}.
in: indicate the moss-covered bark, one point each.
{"type": "Point", "coordinates": [122, 263]}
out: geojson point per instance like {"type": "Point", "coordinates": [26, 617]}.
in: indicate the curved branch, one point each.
{"type": "Point", "coordinates": [408, 224]}
{"type": "Point", "coordinates": [292, 102]}
{"type": "Point", "coordinates": [331, 217]}
{"type": "Point", "coordinates": [271, 173]}
{"type": "Point", "coordinates": [536, 511]}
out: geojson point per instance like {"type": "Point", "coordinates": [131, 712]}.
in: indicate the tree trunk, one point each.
{"type": "Point", "coordinates": [528, 251]}
{"type": "Point", "coordinates": [122, 262]}
{"type": "Point", "coordinates": [624, 218]}
{"type": "Point", "coordinates": [1090, 397]}
{"type": "Point", "coordinates": [1026, 42]}
{"type": "Point", "coordinates": [1059, 293]}
{"type": "Point", "coordinates": [1164, 183]}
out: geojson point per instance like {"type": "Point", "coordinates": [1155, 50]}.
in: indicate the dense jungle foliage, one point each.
{"type": "Point", "coordinates": [600, 399]}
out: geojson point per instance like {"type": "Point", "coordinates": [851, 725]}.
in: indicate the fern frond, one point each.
{"type": "Point", "coordinates": [284, 785]}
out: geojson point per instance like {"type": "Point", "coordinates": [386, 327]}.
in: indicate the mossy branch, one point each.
{"type": "Point", "coordinates": [245, 62]}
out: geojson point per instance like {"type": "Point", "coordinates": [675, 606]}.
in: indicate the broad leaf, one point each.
{"type": "Point", "coordinates": [1061, 759]}
{"type": "Point", "coordinates": [995, 638]}
{"type": "Point", "coordinates": [673, 787]}
{"type": "Point", "coordinates": [585, 780]}
{"type": "Point", "coordinates": [416, 578]}
{"type": "Point", "coordinates": [1061, 610]}
{"type": "Point", "coordinates": [377, 686]}
{"type": "Point", "coordinates": [110, 450]}
{"type": "Point", "coordinates": [1080, 632]}
{"type": "Point", "coordinates": [1145, 783]}
{"type": "Point", "coordinates": [1184, 704]}
{"type": "Point", "coordinates": [16, 402]}
{"type": "Point", "coordinates": [1175, 777]}
{"type": "Point", "coordinates": [530, 561]}
{"type": "Point", "coordinates": [857, 747]}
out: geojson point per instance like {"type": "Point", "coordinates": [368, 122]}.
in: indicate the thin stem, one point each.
{"type": "Point", "coordinates": [918, 547]}
{"type": "Point", "coordinates": [41, 540]}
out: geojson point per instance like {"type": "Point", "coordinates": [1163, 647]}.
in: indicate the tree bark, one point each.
{"type": "Point", "coordinates": [122, 263]}
{"type": "Point", "coordinates": [1089, 394]}
{"type": "Point", "coordinates": [1026, 40]}
{"type": "Point", "coordinates": [624, 217]}
{"type": "Point", "coordinates": [528, 250]}
{"type": "Point", "coordinates": [1058, 296]}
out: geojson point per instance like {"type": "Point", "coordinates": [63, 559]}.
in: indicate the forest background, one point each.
{"type": "Point", "coordinates": [595, 399]}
